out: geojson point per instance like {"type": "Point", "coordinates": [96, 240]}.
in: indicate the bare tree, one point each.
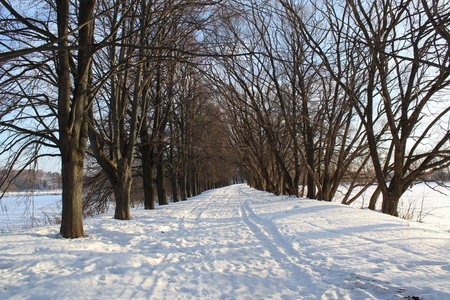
{"type": "Point", "coordinates": [174, 52]}
{"type": "Point", "coordinates": [283, 104]}
{"type": "Point", "coordinates": [404, 69]}
{"type": "Point", "coordinates": [114, 120]}
{"type": "Point", "coordinates": [46, 69]}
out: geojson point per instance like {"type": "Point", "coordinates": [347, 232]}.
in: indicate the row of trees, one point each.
{"type": "Point", "coordinates": [338, 92]}
{"type": "Point", "coordinates": [302, 95]}
{"type": "Point", "coordinates": [114, 80]}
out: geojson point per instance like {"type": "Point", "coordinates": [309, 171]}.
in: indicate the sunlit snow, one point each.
{"type": "Point", "coordinates": [232, 243]}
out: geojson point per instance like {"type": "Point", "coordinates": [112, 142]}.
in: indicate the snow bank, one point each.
{"type": "Point", "coordinates": [231, 243]}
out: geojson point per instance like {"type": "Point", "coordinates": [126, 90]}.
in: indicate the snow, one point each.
{"type": "Point", "coordinates": [427, 203]}
{"type": "Point", "coordinates": [232, 243]}
{"type": "Point", "coordinates": [22, 210]}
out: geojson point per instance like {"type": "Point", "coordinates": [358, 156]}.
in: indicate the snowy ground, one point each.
{"type": "Point", "coordinates": [426, 203]}
{"type": "Point", "coordinates": [23, 210]}
{"type": "Point", "coordinates": [231, 243]}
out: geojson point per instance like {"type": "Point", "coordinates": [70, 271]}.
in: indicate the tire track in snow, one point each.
{"type": "Point", "coordinates": [281, 250]}
{"type": "Point", "coordinates": [198, 210]}
{"type": "Point", "coordinates": [200, 232]}
{"type": "Point", "coordinates": [221, 217]}
{"type": "Point", "coordinates": [307, 270]}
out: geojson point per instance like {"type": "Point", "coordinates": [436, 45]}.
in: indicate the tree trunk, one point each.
{"type": "Point", "coordinates": [390, 202]}
{"type": "Point", "coordinates": [195, 184]}
{"type": "Point", "coordinates": [72, 193]}
{"type": "Point", "coordinates": [183, 186]}
{"type": "Point", "coordinates": [72, 117]}
{"type": "Point", "coordinates": [149, 190]}
{"type": "Point", "coordinates": [147, 171]}
{"type": "Point", "coordinates": [162, 200]}
{"type": "Point", "coordinates": [374, 198]}
{"type": "Point", "coordinates": [175, 188]}
{"type": "Point", "coordinates": [122, 193]}
{"type": "Point", "coordinates": [188, 186]}
{"type": "Point", "coordinates": [325, 193]}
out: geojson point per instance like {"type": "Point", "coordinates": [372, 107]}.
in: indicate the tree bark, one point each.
{"type": "Point", "coordinates": [175, 188]}
{"type": "Point", "coordinates": [148, 164]}
{"type": "Point", "coordinates": [162, 199]}
{"type": "Point", "coordinates": [183, 186]}
{"type": "Point", "coordinates": [72, 114]}
{"type": "Point", "coordinates": [72, 193]}
{"type": "Point", "coordinates": [122, 189]}
{"type": "Point", "coordinates": [390, 204]}
{"type": "Point", "coordinates": [147, 178]}
{"type": "Point", "coordinates": [374, 198]}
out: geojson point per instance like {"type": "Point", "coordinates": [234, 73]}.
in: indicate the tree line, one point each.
{"type": "Point", "coordinates": [338, 93]}
{"type": "Point", "coordinates": [299, 97]}
{"type": "Point", "coordinates": [113, 81]}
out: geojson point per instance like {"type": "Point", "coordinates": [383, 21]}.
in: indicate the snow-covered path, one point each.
{"type": "Point", "coordinates": [231, 243]}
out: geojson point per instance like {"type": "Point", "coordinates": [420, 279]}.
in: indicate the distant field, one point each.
{"type": "Point", "coordinates": [23, 210]}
